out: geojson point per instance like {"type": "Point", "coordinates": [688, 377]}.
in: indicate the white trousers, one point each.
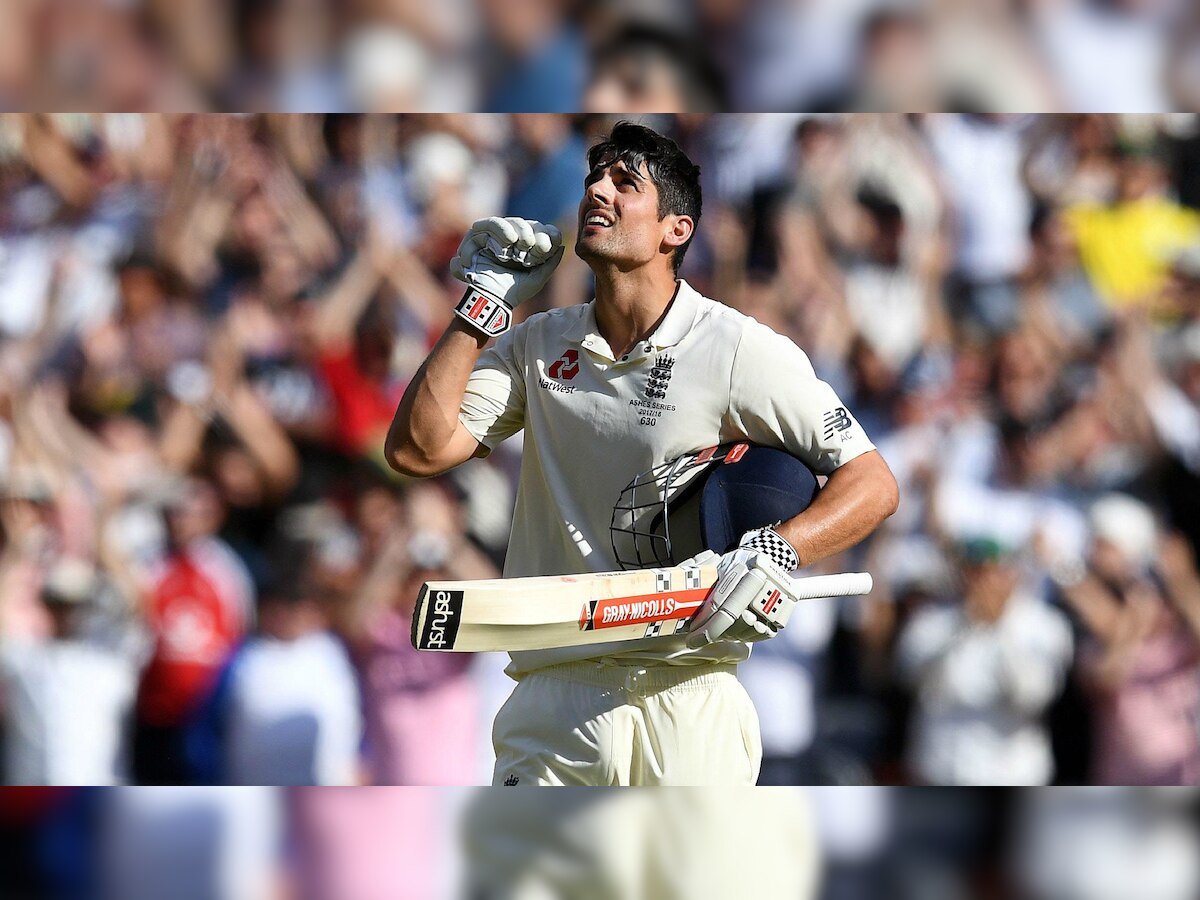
{"type": "Point", "coordinates": [587, 723]}
{"type": "Point", "coordinates": [672, 844]}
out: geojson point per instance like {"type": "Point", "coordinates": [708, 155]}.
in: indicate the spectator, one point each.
{"type": "Point", "coordinates": [67, 700]}
{"type": "Point", "coordinates": [1142, 654]}
{"type": "Point", "coordinates": [980, 158]}
{"type": "Point", "coordinates": [1127, 244]}
{"type": "Point", "coordinates": [355, 346]}
{"type": "Point", "coordinates": [891, 302]}
{"type": "Point", "coordinates": [983, 673]}
{"type": "Point", "coordinates": [420, 708]}
{"type": "Point", "coordinates": [1056, 293]}
{"type": "Point", "coordinates": [199, 606]}
{"type": "Point", "coordinates": [286, 710]}
{"type": "Point", "coordinates": [550, 170]}
{"type": "Point", "coordinates": [541, 56]}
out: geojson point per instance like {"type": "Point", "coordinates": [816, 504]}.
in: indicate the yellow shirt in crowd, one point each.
{"type": "Point", "coordinates": [1127, 248]}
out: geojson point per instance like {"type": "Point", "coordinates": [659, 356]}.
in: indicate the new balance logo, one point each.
{"type": "Point", "coordinates": [511, 780]}
{"type": "Point", "coordinates": [565, 367]}
{"type": "Point", "coordinates": [836, 420]}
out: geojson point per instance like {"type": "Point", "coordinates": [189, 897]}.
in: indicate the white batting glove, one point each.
{"type": "Point", "coordinates": [753, 597]}
{"type": "Point", "coordinates": [503, 261]}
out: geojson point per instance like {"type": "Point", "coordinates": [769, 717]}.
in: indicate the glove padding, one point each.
{"type": "Point", "coordinates": [509, 259]}
{"type": "Point", "coordinates": [753, 597]}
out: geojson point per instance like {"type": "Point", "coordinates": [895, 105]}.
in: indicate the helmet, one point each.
{"type": "Point", "coordinates": [706, 500]}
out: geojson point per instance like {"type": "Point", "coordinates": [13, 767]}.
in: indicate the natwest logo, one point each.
{"type": "Point", "coordinates": [565, 367]}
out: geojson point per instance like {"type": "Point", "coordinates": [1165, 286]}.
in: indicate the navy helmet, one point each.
{"type": "Point", "coordinates": [707, 500]}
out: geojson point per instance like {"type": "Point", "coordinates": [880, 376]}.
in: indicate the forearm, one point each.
{"type": "Point", "coordinates": [420, 292]}
{"type": "Point", "coordinates": [120, 569]}
{"type": "Point", "coordinates": [182, 437]}
{"type": "Point", "coordinates": [426, 421]}
{"type": "Point", "coordinates": [339, 310]}
{"type": "Point", "coordinates": [854, 501]}
{"type": "Point", "coordinates": [1184, 592]}
{"type": "Point", "coordinates": [378, 587]}
{"type": "Point", "coordinates": [265, 440]}
{"type": "Point", "coordinates": [1096, 607]}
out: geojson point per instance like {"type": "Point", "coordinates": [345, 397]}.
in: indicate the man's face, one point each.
{"type": "Point", "coordinates": [618, 218]}
{"type": "Point", "coordinates": [198, 514]}
{"type": "Point", "coordinates": [988, 587]}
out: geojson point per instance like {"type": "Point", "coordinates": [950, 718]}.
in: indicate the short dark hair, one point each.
{"type": "Point", "coordinates": [675, 176]}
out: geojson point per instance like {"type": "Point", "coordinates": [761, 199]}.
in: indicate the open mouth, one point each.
{"type": "Point", "coordinates": [597, 220]}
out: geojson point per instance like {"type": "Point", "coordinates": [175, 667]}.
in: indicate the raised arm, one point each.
{"type": "Point", "coordinates": [503, 262]}
{"type": "Point", "coordinates": [426, 437]}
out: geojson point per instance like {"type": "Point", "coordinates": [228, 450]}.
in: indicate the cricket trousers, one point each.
{"type": "Point", "coordinates": [590, 723]}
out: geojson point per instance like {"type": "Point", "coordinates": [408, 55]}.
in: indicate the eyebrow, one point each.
{"type": "Point", "coordinates": [624, 169]}
{"type": "Point", "coordinates": [628, 171]}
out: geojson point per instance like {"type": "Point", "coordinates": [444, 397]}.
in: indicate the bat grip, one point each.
{"type": "Point", "coordinates": [846, 584]}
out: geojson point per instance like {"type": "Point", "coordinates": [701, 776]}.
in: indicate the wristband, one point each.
{"type": "Point", "coordinates": [771, 543]}
{"type": "Point", "coordinates": [487, 314]}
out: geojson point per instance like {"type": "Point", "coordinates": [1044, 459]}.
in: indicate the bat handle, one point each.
{"type": "Point", "coordinates": [846, 584]}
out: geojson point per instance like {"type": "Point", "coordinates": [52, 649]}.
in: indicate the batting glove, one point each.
{"type": "Point", "coordinates": [503, 261]}
{"type": "Point", "coordinates": [753, 597]}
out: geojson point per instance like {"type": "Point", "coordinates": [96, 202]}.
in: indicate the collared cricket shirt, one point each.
{"type": "Point", "coordinates": [708, 375]}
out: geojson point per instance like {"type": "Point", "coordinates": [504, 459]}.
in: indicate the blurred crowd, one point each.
{"type": "Point", "coordinates": [840, 843]}
{"type": "Point", "coordinates": [207, 572]}
{"type": "Point", "coordinates": [603, 55]}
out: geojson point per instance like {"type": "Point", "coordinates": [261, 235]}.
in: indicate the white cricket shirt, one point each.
{"type": "Point", "coordinates": [293, 716]}
{"type": "Point", "coordinates": [707, 376]}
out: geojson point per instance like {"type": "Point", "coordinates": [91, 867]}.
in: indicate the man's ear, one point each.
{"type": "Point", "coordinates": [680, 229]}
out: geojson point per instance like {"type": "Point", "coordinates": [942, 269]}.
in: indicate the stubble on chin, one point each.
{"type": "Point", "coordinates": [586, 251]}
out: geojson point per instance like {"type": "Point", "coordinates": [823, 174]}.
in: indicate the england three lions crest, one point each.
{"type": "Point", "coordinates": [660, 378]}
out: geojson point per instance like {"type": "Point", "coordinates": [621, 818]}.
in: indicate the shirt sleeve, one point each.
{"type": "Point", "coordinates": [493, 407]}
{"type": "Point", "coordinates": [776, 399]}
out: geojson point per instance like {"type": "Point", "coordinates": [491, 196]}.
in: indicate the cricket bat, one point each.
{"type": "Point", "coordinates": [571, 610]}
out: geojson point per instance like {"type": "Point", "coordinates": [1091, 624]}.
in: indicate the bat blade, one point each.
{"type": "Point", "coordinates": [542, 612]}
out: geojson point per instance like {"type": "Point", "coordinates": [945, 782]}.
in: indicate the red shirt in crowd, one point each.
{"type": "Point", "coordinates": [364, 406]}
{"type": "Point", "coordinates": [198, 611]}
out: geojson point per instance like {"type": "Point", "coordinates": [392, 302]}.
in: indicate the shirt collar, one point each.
{"type": "Point", "coordinates": [674, 327]}
{"type": "Point", "coordinates": [679, 319]}
{"type": "Point", "coordinates": [584, 325]}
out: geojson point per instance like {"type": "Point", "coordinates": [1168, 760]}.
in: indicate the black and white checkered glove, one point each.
{"type": "Point", "coordinates": [503, 261]}
{"type": "Point", "coordinates": [753, 597]}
